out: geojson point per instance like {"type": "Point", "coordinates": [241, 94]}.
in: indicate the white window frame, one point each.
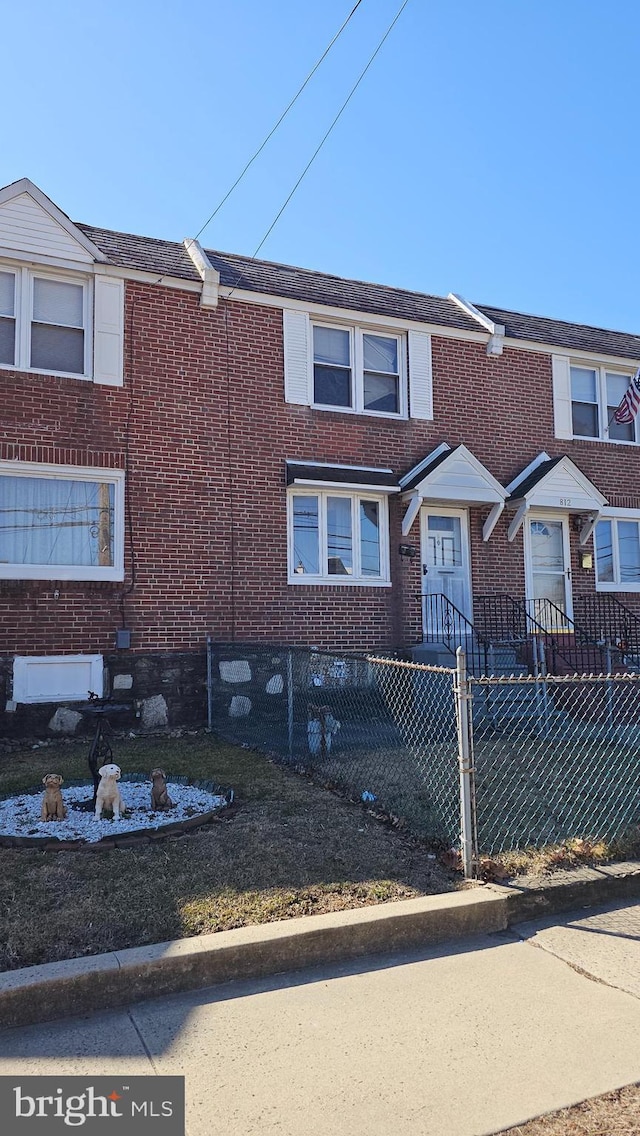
{"type": "Point", "coordinates": [50, 668]}
{"type": "Point", "coordinates": [93, 474]}
{"type": "Point", "coordinates": [354, 580]}
{"type": "Point", "coordinates": [356, 351]}
{"type": "Point", "coordinates": [614, 515]}
{"type": "Point", "coordinates": [24, 286]}
{"type": "Point", "coordinates": [601, 372]}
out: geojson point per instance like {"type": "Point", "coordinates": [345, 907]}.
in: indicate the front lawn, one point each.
{"type": "Point", "coordinates": [285, 848]}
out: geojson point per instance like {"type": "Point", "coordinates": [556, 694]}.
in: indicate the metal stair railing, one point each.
{"type": "Point", "coordinates": [609, 621]}
{"type": "Point", "coordinates": [444, 624]}
{"type": "Point", "coordinates": [554, 637]}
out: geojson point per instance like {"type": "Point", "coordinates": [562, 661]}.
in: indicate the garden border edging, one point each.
{"type": "Point", "coordinates": [85, 985]}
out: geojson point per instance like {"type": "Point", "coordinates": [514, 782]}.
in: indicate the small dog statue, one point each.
{"type": "Point", "coordinates": [108, 794]}
{"type": "Point", "coordinates": [160, 798]}
{"type": "Point", "coordinates": [53, 807]}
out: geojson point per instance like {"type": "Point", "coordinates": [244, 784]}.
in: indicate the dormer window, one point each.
{"type": "Point", "coordinates": [44, 321]}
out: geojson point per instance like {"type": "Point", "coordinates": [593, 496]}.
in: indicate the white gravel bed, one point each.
{"type": "Point", "coordinates": [20, 815]}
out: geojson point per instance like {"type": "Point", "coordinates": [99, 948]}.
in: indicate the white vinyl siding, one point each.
{"type": "Point", "coordinates": [28, 229]}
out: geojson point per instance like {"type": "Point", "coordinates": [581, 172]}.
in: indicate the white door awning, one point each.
{"type": "Point", "coordinates": [452, 477]}
{"type": "Point", "coordinates": [556, 484]}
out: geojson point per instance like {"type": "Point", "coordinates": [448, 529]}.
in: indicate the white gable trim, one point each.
{"type": "Point", "coordinates": [565, 487]}
{"type": "Point", "coordinates": [460, 479]}
{"type": "Point", "coordinates": [24, 186]}
{"type": "Point", "coordinates": [542, 457]}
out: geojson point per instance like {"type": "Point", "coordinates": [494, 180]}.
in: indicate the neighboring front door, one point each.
{"type": "Point", "coordinates": [548, 565]}
{"type": "Point", "coordinates": [445, 563]}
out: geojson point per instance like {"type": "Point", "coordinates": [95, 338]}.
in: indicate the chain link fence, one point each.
{"type": "Point", "coordinates": [555, 758]}
{"type": "Point", "coordinates": [489, 764]}
{"type": "Point", "coordinates": [381, 729]}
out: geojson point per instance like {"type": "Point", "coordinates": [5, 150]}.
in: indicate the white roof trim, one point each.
{"type": "Point", "coordinates": [496, 330]}
{"type": "Point", "coordinates": [337, 465]}
{"type": "Point", "coordinates": [350, 486]}
{"type": "Point", "coordinates": [428, 488]}
{"type": "Point", "coordinates": [595, 499]}
{"type": "Point", "coordinates": [208, 274]}
{"type": "Point", "coordinates": [441, 449]}
{"type": "Point", "coordinates": [543, 457]}
{"type": "Point", "coordinates": [25, 186]}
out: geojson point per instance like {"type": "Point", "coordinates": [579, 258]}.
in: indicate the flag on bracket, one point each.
{"type": "Point", "coordinates": [630, 403]}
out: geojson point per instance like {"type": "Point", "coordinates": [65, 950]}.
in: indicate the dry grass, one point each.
{"type": "Point", "coordinates": [286, 848]}
{"type": "Point", "coordinates": [573, 853]}
{"type": "Point", "coordinates": [614, 1114]}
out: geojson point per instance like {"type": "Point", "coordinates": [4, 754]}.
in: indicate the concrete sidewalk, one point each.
{"type": "Point", "coordinates": [462, 1039]}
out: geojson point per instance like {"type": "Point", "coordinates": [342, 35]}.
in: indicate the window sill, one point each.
{"type": "Point", "coordinates": [54, 374]}
{"type": "Point", "coordinates": [359, 413]}
{"type": "Point", "coordinates": [54, 572]}
{"type": "Point", "coordinates": [603, 441]}
{"type": "Point", "coordinates": [336, 581]}
{"type": "Point", "coordinates": [618, 588]}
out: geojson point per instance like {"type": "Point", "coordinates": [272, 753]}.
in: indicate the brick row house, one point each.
{"type": "Point", "coordinates": [198, 444]}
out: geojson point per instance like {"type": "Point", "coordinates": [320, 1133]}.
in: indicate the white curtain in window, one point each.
{"type": "Point", "coordinates": [47, 521]}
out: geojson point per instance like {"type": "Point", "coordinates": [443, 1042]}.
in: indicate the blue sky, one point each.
{"type": "Point", "coordinates": [491, 149]}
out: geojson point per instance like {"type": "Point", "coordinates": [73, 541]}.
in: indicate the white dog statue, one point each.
{"type": "Point", "coordinates": [108, 794]}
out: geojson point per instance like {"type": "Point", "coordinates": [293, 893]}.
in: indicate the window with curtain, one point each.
{"type": "Point", "coordinates": [60, 526]}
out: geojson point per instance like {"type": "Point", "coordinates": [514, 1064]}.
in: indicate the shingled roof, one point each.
{"type": "Point", "coordinates": [168, 258]}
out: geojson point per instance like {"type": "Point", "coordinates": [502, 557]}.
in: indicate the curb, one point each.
{"type": "Point", "coordinates": [79, 986]}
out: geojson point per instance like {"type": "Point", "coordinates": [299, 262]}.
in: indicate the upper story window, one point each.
{"type": "Point", "coordinates": [61, 522]}
{"type": "Point", "coordinates": [358, 370]}
{"type": "Point", "coordinates": [44, 322]}
{"type": "Point", "coordinates": [357, 367]}
{"type": "Point", "coordinates": [596, 393]}
{"type": "Point", "coordinates": [338, 538]}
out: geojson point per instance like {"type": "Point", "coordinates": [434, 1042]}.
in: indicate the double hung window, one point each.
{"type": "Point", "coordinates": [338, 538]}
{"type": "Point", "coordinates": [358, 370]}
{"type": "Point", "coordinates": [61, 522]}
{"type": "Point", "coordinates": [596, 393]}
{"type": "Point", "coordinates": [44, 322]}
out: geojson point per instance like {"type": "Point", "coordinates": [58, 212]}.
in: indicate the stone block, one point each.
{"type": "Point", "coordinates": [236, 670]}
{"type": "Point", "coordinates": [65, 721]}
{"type": "Point", "coordinates": [154, 712]}
{"type": "Point", "coordinates": [122, 682]}
{"type": "Point", "coordinates": [240, 706]}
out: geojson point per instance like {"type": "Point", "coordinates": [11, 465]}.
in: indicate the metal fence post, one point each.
{"type": "Point", "coordinates": [209, 685]}
{"type": "Point", "coordinates": [465, 763]}
{"type": "Point", "coordinates": [290, 703]}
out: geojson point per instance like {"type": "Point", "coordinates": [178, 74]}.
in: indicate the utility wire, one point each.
{"type": "Point", "coordinates": [324, 139]}
{"type": "Point", "coordinates": [280, 120]}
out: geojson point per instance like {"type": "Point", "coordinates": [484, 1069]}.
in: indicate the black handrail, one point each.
{"type": "Point", "coordinates": [445, 624]}
{"type": "Point", "coordinates": [609, 621]}
{"type": "Point", "coordinates": [562, 640]}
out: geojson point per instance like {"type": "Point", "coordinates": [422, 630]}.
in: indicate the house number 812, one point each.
{"type": "Point", "coordinates": [565, 500]}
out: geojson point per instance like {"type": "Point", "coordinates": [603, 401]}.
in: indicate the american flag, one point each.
{"type": "Point", "coordinates": [630, 404]}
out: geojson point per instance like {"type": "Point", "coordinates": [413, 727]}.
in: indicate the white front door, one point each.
{"type": "Point", "coordinates": [445, 561]}
{"type": "Point", "coordinates": [548, 564]}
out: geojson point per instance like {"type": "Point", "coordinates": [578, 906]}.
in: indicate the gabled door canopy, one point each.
{"type": "Point", "coordinates": [555, 484]}
{"type": "Point", "coordinates": [452, 476]}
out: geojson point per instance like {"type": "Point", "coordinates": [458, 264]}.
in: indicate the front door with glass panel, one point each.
{"type": "Point", "coordinates": [549, 572]}
{"type": "Point", "coordinates": [445, 564]}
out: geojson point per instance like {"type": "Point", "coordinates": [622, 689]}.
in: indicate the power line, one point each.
{"type": "Point", "coordinates": [324, 139]}
{"type": "Point", "coordinates": [280, 120]}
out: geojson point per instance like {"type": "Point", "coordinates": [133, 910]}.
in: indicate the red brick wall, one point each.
{"type": "Point", "coordinates": [202, 429]}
